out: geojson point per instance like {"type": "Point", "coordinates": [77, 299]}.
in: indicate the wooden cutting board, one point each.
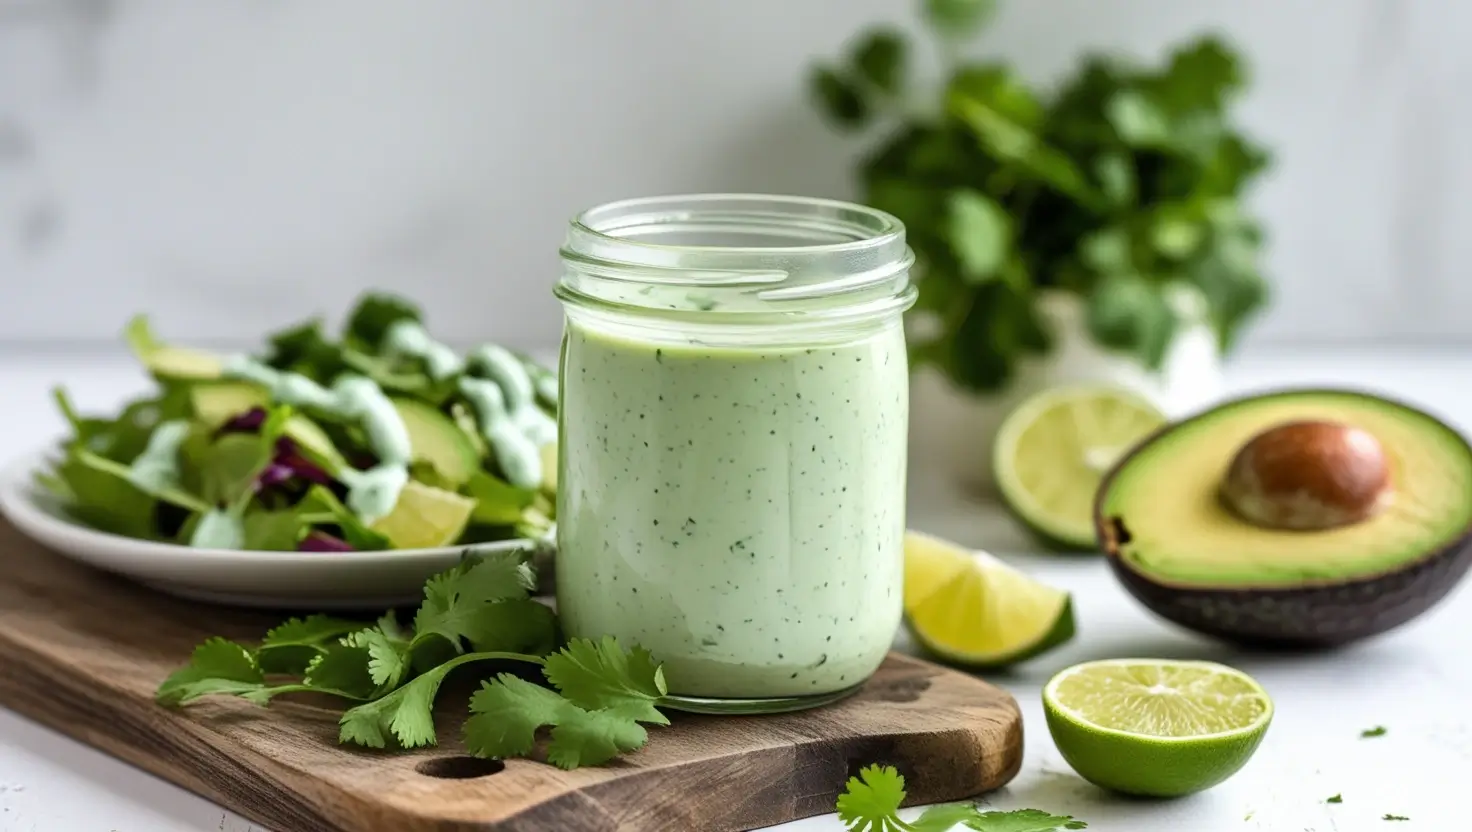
{"type": "Point", "coordinates": [82, 652]}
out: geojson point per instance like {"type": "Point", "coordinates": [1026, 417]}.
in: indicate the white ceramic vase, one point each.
{"type": "Point", "coordinates": [951, 429]}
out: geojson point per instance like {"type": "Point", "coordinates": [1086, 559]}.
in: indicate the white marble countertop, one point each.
{"type": "Point", "coordinates": [1415, 681]}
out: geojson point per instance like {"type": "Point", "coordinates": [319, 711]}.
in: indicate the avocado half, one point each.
{"type": "Point", "coordinates": [1178, 548]}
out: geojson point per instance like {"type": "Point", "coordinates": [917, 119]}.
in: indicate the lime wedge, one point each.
{"type": "Point", "coordinates": [425, 517]}
{"type": "Point", "coordinates": [1155, 727]}
{"type": "Point", "coordinates": [1053, 450]}
{"type": "Point", "coordinates": [972, 610]}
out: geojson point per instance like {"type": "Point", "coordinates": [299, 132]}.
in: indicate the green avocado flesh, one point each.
{"type": "Point", "coordinates": [1178, 532]}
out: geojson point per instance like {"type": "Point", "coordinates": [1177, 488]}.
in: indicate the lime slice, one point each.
{"type": "Point", "coordinates": [972, 610]}
{"type": "Point", "coordinates": [1155, 727]}
{"type": "Point", "coordinates": [425, 517]}
{"type": "Point", "coordinates": [1053, 450]}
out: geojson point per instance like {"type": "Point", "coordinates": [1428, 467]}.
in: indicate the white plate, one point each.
{"type": "Point", "coordinates": [279, 580]}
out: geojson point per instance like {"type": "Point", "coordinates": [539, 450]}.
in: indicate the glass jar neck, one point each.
{"type": "Point", "coordinates": [715, 261]}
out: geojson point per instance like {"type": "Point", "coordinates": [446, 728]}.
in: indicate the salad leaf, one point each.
{"type": "Point", "coordinates": [276, 531]}
{"type": "Point", "coordinates": [323, 507]}
{"type": "Point", "coordinates": [497, 502]}
{"type": "Point", "coordinates": [304, 349]}
{"type": "Point", "coordinates": [375, 313]}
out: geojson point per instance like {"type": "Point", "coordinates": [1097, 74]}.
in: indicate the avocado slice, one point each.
{"type": "Point", "coordinates": [1169, 529]}
{"type": "Point", "coordinates": [434, 438]}
{"type": "Point", "coordinates": [215, 403]}
{"type": "Point", "coordinates": [167, 362]}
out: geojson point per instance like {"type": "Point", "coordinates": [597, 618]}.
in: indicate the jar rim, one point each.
{"type": "Point", "coordinates": [865, 227]}
{"type": "Point", "coordinates": [723, 259]}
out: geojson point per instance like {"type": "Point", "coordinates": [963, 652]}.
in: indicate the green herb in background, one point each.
{"type": "Point", "coordinates": [1122, 186]}
{"type": "Point", "coordinates": [1335, 799]}
{"type": "Point", "coordinates": [1394, 817]}
{"type": "Point", "coordinates": [1377, 731]}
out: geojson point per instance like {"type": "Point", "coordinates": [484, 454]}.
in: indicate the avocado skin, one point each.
{"type": "Point", "coordinates": [1321, 614]}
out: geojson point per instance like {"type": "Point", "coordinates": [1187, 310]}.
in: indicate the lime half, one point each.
{"type": "Point", "coordinates": [1154, 727]}
{"type": "Point", "coordinates": [425, 517]}
{"type": "Point", "coordinates": [1053, 450]}
{"type": "Point", "coordinates": [972, 610]}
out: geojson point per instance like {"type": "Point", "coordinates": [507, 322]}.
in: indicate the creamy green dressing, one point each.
{"type": "Point", "coordinates": [516, 453]}
{"type": "Point", "coordinates": [157, 467]}
{"type": "Point", "coordinates": [410, 338]}
{"type": "Point", "coordinates": [371, 493]}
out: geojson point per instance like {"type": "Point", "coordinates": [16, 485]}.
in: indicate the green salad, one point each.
{"type": "Point", "coordinates": [383, 438]}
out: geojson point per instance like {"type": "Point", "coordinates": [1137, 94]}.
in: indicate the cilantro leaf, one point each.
{"type": "Point", "coordinates": [506, 713]}
{"type": "Point", "coordinates": [1377, 731]}
{"type": "Point", "coordinates": [841, 100]}
{"type": "Point", "coordinates": [591, 738]}
{"type": "Point", "coordinates": [879, 58]}
{"type": "Point", "coordinates": [871, 801]}
{"type": "Point", "coordinates": [959, 18]}
{"type": "Point", "coordinates": [944, 817]}
{"type": "Point", "coordinates": [216, 666]}
{"type": "Point", "coordinates": [980, 233]}
{"type": "Point", "coordinates": [292, 645]}
{"type": "Point", "coordinates": [388, 658]}
{"type": "Point", "coordinates": [517, 626]}
{"type": "Point", "coordinates": [454, 598]}
{"type": "Point", "coordinates": [599, 675]}
{"type": "Point", "coordinates": [1338, 798]}
{"type": "Point", "coordinates": [1393, 817]}
{"type": "Point", "coordinates": [1023, 820]}
{"type": "Point", "coordinates": [406, 715]}
{"type": "Point", "coordinates": [342, 669]}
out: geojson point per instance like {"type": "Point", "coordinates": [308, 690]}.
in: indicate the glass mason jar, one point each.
{"type": "Point", "coordinates": [734, 409]}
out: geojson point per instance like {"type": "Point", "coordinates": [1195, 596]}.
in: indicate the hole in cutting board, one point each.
{"type": "Point", "coordinates": [459, 768]}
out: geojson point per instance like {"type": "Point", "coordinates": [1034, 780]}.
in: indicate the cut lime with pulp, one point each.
{"type": "Point", "coordinates": [425, 517]}
{"type": "Point", "coordinates": [1053, 450]}
{"type": "Point", "coordinates": [972, 610]}
{"type": "Point", "coordinates": [1154, 727]}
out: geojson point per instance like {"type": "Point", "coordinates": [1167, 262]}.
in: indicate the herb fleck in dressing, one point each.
{"type": "Point", "coordinates": [737, 511]}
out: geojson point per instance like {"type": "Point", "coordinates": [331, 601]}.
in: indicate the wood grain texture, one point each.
{"type": "Point", "coordinates": [82, 652]}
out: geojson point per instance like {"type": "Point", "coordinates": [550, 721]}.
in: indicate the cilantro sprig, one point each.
{"type": "Point", "coordinates": [594, 696]}
{"type": "Point", "coordinates": [871, 803]}
{"type": "Point", "coordinates": [1126, 185]}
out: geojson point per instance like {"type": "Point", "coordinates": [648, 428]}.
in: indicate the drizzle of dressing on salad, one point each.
{"type": "Point", "coordinates": [157, 467]}
{"type": "Point", "coordinates": [502, 391]}
{"type": "Point", "coordinates": [499, 365]}
{"type": "Point", "coordinates": [516, 453]}
{"type": "Point", "coordinates": [371, 493]}
{"type": "Point", "coordinates": [407, 337]}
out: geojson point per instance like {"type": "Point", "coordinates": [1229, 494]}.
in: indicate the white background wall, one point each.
{"type": "Point", "coordinates": [230, 165]}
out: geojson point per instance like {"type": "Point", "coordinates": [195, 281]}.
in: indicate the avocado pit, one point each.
{"type": "Point", "coordinates": [1310, 475]}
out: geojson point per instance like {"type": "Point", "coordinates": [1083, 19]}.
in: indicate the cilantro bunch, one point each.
{"type": "Point", "coordinates": [871, 803]}
{"type": "Point", "coordinates": [593, 695]}
{"type": "Point", "coordinates": [1123, 186]}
